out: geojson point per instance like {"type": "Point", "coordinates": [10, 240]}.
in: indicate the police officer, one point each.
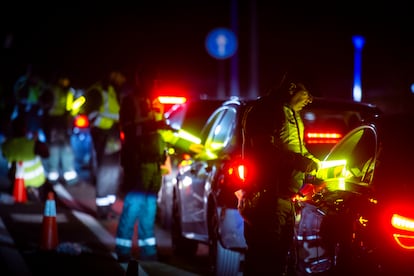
{"type": "Point", "coordinates": [102, 106]}
{"type": "Point", "coordinates": [143, 160]}
{"type": "Point", "coordinates": [30, 151]}
{"type": "Point", "coordinates": [58, 128]}
{"type": "Point", "coordinates": [280, 150]}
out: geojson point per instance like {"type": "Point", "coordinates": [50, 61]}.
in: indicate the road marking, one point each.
{"type": "Point", "coordinates": [10, 257]}
{"type": "Point", "coordinates": [100, 232]}
{"type": "Point", "coordinates": [33, 218]}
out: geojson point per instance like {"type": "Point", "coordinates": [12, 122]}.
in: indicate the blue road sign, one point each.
{"type": "Point", "coordinates": [221, 43]}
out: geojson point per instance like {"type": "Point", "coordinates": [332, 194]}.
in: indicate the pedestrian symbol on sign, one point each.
{"type": "Point", "coordinates": [221, 43]}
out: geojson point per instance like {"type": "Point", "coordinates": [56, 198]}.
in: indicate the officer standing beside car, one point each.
{"type": "Point", "coordinates": [102, 106]}
{"type": "Point", "coordinates": [57, 126]}
{"type": "Point", "coordinates": [144, 160]}
{"type": "Point", "coordinates": [279, 148]}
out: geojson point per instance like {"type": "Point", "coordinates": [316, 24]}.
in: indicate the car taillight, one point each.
{"type": "Point", "coordinates": [405, 236]}
{"type": "Point", "coordinates": [322, 137]}
{"type": "Point", "coordinates": [236, 173]}
{"type": "Point", "coordinates": [171, 100]}
{"type": "Point", "coordinates": [239, 171]}
{"type": "Point", "coordinates": [397, 220]}
{"type": "Point", "coordinates": [122, 136]}
{"type": "Point", "coordinates": [81, 121]}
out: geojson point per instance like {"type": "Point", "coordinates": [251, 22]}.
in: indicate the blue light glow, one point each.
{"type": "Point", "coordinates": [358, 41]}
{"type": "Point", "coordinates": [358, 45]}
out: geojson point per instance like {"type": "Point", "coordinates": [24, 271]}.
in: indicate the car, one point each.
{"type": "Point", "coordinates": [187, 119]}
{"type": "Point", "coordinates": [394, 187]}
{"type": "Point", "coordinates": [204, 202]}
{"type": "Point", "coordinates": [360, 221]}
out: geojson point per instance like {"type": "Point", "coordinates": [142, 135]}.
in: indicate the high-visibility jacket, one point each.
{"type": "Point", "coordinates": [109, 110]}
{"type": "Point", "coordinates": [62, 101]}
{"type": "Point", "coordinates": [23, 149]}
{"type": "Point", "coordinates": [292, 138]}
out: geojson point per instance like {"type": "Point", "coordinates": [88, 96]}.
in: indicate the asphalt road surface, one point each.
{"type": "Point", "coordinates": [82, 197]}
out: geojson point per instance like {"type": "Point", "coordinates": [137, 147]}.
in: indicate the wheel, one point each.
{"type": "Point", "coordinates": [222, 261]}
{"type": "Point", "coordinates": [181, 245]}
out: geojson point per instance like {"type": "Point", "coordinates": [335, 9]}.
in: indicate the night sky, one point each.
{"type": "Point", "coordinates": [89, 40]}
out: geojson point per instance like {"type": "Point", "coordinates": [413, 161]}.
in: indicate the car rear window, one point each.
{"type": "Point", "coordinates": [192, 115]}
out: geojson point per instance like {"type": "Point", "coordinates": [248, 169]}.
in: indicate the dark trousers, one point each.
{"type": "Point", "coordinates": [108, 167]}
{"type": "Point", "coordinates": [269, 237]}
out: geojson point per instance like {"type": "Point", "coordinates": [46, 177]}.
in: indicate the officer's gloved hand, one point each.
{"type": "Point", "coordinates": [312, 167]}
{"type": "Point", "coordinates": [305, 164]}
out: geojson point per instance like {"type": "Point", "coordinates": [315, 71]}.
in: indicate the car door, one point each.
{"type": "Point", "coordinates": [344, 178]}
{"type": "Point", "coordinates": [192, 186]}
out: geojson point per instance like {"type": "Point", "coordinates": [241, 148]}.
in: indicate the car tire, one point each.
{"type": "Point", "coordinates": [164, 213]}
{"type": "Point", "coordinates": [222, 261]}
{"type": "Point", "coordinates": [181, 245]}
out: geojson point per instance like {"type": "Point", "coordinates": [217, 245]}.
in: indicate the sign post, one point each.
{"type": "Point", "coordinates": [221, 43]}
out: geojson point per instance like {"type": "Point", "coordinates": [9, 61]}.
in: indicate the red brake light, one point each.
{"type": "Point", "coordinates": [122, 136]}
{"type": "Point", "coordinates": [81, 121]}
{"type": "Point", "coordinates": [171, 100]}
{"type": "Point", "coordinates": [238, 171]}
{"type": "Point", "coordinates": [398, 223]}
{"type": "Point", "coordinates": [323, 137]}
{"type": "Point", "coordinates": [405, 228]}
{"type": "Point", "coordinates": [402, 223]}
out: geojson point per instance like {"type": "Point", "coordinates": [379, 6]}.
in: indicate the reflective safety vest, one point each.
{"type": "Point", "coordinates": [33, 173]}
{"type": "Point", "coordinates": [109, 110]}
{"type": "Point", "coordinates": [22, 149]}
{"type": "Point", "coordinates": [62, 101]}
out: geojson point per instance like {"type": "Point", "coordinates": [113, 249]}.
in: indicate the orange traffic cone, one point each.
{"type": "Point", "coordinates": [49, 227]}
{"type": "Point", "coordinates": [19, 190]}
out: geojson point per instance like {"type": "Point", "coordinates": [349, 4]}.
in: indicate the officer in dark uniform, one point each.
{"type": "Point", "coordinates": [280, 150]}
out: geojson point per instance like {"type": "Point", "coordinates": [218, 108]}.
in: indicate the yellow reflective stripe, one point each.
{"type": "Point", "coordinates": [34, 176]}
{"type": "Point", "coordinates": [147, 242]}
{"type": "Point", "coordinates": [53, 176]}
{"type": "Point", "coordinates": [31, 163]}
{"type": "Point", "coordinates": [111, 198]}
{"type": "Point", "coordinates": [77, 104]}
{"type": "Point", "coordinates": [33, 173]}
{"type": "Point", "coordinates": [69, 100]}
{"type": "Point", "coordinates": [123, 242]}
{"type": "Point", "coordinates": [109, 115]}
{"type": "Point", "coordinates": [109, 111]}
{"type": "Point", "coordinates": [70, 175]}
{"type": "Point", "coordinates": [105, 201]}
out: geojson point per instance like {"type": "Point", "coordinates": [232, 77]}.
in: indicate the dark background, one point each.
{"type": "Point", "coordinates": [89, 40]}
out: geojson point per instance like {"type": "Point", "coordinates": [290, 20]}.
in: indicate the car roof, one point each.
{"type": "Point", "coordinates": [342, 104]}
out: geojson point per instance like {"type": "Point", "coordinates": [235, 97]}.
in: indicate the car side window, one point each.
{"type": "Point", "coordinates": [221, 133]}
{"type": "Point", "coordinates": [211, 122]}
